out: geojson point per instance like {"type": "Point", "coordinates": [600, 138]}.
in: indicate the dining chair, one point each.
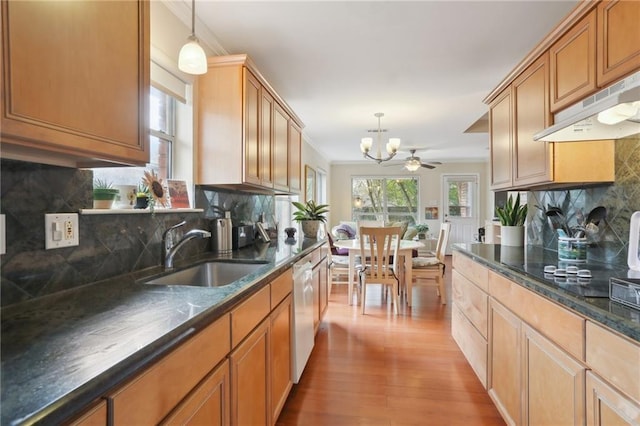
{"type": "Point", "coordinates": [431, 267]}
{"type": "Point", "coordinates": [368, 223]}
{"type": "Point", "coordinates": [381, 247]}
{"type": "Point", "coordinates": [338, 265]}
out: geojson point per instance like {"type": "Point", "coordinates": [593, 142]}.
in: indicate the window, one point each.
{"type": "Point", "coordinates": [321, 191]}
{"type": "Point", "coordinates": [162, 125]}
{"type": "Point", "coordinates": [389, 199]}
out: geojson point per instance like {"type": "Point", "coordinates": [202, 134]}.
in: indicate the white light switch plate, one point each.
{"type": "Point", "coordinates": [61, 230]}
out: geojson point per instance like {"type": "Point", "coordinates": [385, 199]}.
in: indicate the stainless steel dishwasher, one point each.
{"type": "Point", "coordinates": [303, 333]}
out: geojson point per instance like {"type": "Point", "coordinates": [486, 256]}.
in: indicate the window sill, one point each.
{"type": "Point", "coordinates": [137, 211]}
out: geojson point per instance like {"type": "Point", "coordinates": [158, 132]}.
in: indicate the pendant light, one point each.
{"type": "Point", "coordinates": [367, 143]}
{"type": "Point", "coordinates": [192, 59]}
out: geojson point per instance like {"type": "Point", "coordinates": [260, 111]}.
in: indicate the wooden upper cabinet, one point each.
{"type": "Point", "coordinates": [500, 130]}
{"type": "Point", "coordinates": [253, 117]}
{"type": "Point", "coordinates": [80, 94]}
{"type": "Point", "coordinates": [265, 142]}
{"type": "Point", "coordinates": [531, 159]}
{"type": "Point", "coordinates": [242, 128]}
{"type": "Point", "coordinates": [295, 159]}
{"type": "Point", "coordinates": [618, 39]}
{"type": "Point", "coordinates": [572, 62]}
{"type": "Point", "coordinates": [280, 148]}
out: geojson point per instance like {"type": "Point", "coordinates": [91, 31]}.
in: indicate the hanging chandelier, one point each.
{"type": "Point", "coordinates": [367, 143]}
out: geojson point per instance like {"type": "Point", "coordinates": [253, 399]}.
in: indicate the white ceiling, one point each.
{"type": "Point", "coordinates": [426, 65]}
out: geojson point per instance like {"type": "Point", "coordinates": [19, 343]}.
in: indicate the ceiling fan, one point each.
{"type": "Point", "coordinates": [413, 162]}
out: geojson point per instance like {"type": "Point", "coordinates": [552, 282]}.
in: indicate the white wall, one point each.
{"type": "Point", "coordinates": [430, 186]}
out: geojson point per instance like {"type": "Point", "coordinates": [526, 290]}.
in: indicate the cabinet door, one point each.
{"type": "Point", "coordinates": [208, 404]}
{"type": "Point", "coordinates": [94, 416]}
{"type": "Point", "coordinates": [606, 406]}
{"type": "Point", "coordinates": [81, 91]}
{"type": "Point", "coordinates": [501, 135]}
{"type": "Point", "coordinates": [266, 139]}
{"type": "Point", "coordinates": [250, 379]}
{"type": "Point", "coordinates": [280, 148]}
{"type": "Point", "coordinates": [504, 382]}
{"type": "Point", "coordinates": [281, 380]}
{"type": "Point", "coordinates": [252, 112]}
{"type": "Point", "coordinates": [316, 297]}
{"type": "Point", "coordinates": [323, 288]}
{"type": "Point", "coordinates": [618, 40]}
{"type": "Point", "coordinates": [531, 103]}
{"type": "Point", "coordinates": [572, 63]}
{"type": "Point", "coordinates": [554, 383]}
{"type": "Point", "coordinates": [295, 162]}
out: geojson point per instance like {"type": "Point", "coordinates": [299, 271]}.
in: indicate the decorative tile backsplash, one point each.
{"type": "Point", "coordinates": [110, 245]}
{"type": "Point", "coordinates": [621, 199]}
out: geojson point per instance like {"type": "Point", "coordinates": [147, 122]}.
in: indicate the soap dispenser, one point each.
{"type": "Point", "coordinates": [633, 258]}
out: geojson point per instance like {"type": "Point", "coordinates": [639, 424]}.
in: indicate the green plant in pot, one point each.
{"type": "Point", "coordinates": [103, 194]}
{"type": "Point", "coordinates": [142, 197]}
{"type": "Point", "coordinates": [512, 217]}
{"type": "Point", "coordinates": [310, 215]}
{"type": "Point", "coordinates": [422, 229]}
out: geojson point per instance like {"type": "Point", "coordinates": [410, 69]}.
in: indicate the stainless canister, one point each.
{"type": "Point", "coordinates": [222, 231]}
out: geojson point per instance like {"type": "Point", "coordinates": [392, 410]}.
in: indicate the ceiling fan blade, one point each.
{"type": "Point", "coordinates": [428, 166]}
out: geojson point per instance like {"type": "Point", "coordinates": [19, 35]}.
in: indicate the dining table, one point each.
{"type": "Point", "coordinates": [405, 251]}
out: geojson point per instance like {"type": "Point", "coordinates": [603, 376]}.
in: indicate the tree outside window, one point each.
{"type": "Point", "coordinates": [388, 198]}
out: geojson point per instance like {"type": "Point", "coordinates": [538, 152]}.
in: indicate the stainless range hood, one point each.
{"type": "Point", "coordinates": [612, 113]}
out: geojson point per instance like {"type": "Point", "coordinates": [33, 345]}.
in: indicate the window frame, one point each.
{"type": "Point", "coordinates": [415, 215]}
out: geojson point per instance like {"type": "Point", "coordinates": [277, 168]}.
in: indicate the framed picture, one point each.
{"type": "Point", "coordinates": [178, 194]}
{"type": "Point", "coordinates": [431, 213]}
{"type": "Point", "coordinates": [310, 185]}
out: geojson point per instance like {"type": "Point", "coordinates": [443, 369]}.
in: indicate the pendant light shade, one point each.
{"type": "Point", "coordinates": [192, 58]}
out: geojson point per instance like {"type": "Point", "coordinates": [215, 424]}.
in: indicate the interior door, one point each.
{"type": "Point", "coordinates": [461, 207]}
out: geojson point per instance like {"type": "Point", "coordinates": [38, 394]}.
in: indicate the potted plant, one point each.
{"type": "Point", "coordinates": [422, 229]}
{"type": "Point", "coordinates": [142, 197]}
{"type": "Point", "coordinates": [103, 194]}
{"type": "Point", "coordinates": [310, 215]}
{"type": "Point", "coordinates": [512, 217]}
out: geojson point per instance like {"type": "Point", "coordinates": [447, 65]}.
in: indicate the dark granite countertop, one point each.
{"type": "Point", "coordinates": [63, 351]}
{"type": "Point", "coordinates": [524, 266]}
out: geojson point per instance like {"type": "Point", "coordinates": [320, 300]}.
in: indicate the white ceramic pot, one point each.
{"type": "Point", "coordinates": [512, 236]}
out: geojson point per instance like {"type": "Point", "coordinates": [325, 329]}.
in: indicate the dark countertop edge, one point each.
{"type": "Point", "coordinates": [578, 304]}
{"type": "Point", "coordinates": [74, 403]}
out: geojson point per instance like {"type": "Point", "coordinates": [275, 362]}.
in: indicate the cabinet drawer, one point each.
{"type": "Point", "coordinates": [94, 416]}
{"type": "Point", "coordinates": [471, 301]}
{"type": "Point", "coordinates": [280, 287]}
{"type": "Point", "coordinates": [248, 315]}
{"type": "Point", "coordinates": [472, 344]}
{"type": "Point", "coordinates": [563, 327]}
{"type": "Point", "coordinates": [153, 394]}
{"type": "Point", "coordinates": [614, 358]}
{"type": "Point", "coordinates": [478, 274]}
{"type": "Point", "coordinates": [208, 403]}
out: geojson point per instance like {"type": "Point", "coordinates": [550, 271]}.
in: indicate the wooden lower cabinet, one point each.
{"type": "Point", "coordinates": [153, 394]}
{"type": "Point", "coordinates": [280, 356]}
{"type": "Point", "coordinates": [504, 378]}
{"type": "Point", "coordinates": [94, 416]}
{"type": "Point", "coordinates": [208, 404]}
{"type": "Point", "coordinates": [469, 320]}
{"type": "Point", "coordinates": [554, 383]}
{"type": "Point", "coordinates": [250, 379]}
{"type": "Point", "coordinates": [606, 406]}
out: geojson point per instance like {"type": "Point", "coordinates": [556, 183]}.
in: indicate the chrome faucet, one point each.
{"type": "Point", "coordinates": [170, 249]}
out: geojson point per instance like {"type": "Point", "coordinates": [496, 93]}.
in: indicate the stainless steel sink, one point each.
{"type": "Point", "coordinates": [211, 274]}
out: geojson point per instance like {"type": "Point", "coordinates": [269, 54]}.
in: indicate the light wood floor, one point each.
{"type": "Point", "coordinates": [379, 369]}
